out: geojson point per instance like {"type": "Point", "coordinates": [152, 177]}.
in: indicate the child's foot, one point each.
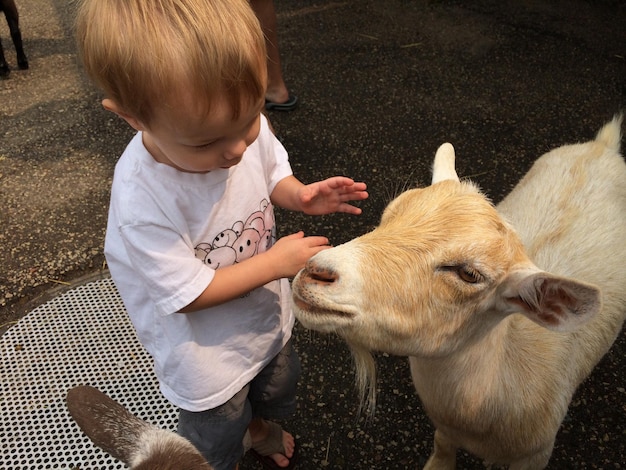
{"type": "Point", "coordinates": [272, 446]}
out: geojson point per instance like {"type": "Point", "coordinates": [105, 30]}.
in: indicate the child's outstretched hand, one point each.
{"type": "Point", "coordinates": [332, 195]}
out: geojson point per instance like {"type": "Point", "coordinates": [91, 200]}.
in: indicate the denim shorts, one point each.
{"type": "Point", "coordinates": [218, 433]}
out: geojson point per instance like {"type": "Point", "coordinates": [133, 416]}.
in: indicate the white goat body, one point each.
{"type": "Point", "coordinates": [140, 445]}
{"type": "Point", "coordinates": [500, 324]}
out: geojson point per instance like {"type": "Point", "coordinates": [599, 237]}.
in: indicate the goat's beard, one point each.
{"type": "Point", "coordinates": [365, 368]}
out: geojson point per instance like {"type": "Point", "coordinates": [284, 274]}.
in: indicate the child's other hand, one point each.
{"type": "Point", "coordinates": [290, 253]}
{"type": "Point", "coordinates": [331, 195]}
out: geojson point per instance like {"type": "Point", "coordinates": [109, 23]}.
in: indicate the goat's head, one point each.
{"type": "Point", "coordinates": [440, 271]}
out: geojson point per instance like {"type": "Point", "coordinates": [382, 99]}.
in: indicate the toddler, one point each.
{"type": "Point", "coordinates": [191, 242]}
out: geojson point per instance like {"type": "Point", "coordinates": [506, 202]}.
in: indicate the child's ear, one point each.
{"type": "Point", "coordinates": [112, 106]}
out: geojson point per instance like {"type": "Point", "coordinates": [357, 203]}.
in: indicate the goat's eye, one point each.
{"type": "Point", "coordinates": [468, 274]}
{"type": "Point", "coordinates": [465, 272]}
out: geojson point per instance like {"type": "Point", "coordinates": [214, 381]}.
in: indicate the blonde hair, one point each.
{"type": "Point", "coordinates": [142, 52]}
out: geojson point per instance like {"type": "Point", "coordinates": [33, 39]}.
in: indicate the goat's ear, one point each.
{"type": "Point", "coordinates": [443, 167]}
{"type": "Point", "coordinates": [107, 423]}
{"type": "Point", "coordinates": [557, 303]}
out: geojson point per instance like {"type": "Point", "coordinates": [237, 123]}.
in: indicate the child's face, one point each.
{"type": "Point", "coordinates": [195, 142]}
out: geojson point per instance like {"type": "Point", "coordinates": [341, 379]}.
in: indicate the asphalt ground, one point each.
{"type": "Point", "coordinates": [382, 84]}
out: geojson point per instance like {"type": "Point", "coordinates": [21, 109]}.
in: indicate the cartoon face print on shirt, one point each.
{"type": "Point", "coordinates": [216, 257]}
{"type": "Point", "coordinates": [242, 241]}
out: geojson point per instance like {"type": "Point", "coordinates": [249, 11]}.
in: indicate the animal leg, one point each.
{"type": "Point", "coordinates": [22, 60]}
{"type": "Point", "coordinates": [444, 454]}
{"type": "Point", "coordinates": [16, 36]}
{"type": "Point", "coordinates": [4, 67]}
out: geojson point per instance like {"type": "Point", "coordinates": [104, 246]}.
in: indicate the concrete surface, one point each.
{"type": "Point", "coordinates": [382, 84]}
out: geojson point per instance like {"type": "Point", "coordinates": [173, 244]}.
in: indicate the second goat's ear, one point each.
{"type": "Point", "coordinates": [112, 106]}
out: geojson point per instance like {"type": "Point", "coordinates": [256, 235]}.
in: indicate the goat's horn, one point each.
{"type": "Point", "coordinates": [443, 167]}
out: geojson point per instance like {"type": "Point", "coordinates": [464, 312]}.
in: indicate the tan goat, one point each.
{"type": "Point", "coordinates": [500, 324]}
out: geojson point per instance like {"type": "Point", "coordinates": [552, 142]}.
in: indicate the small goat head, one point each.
{"type": "Point", "coordinates": [140, 445]}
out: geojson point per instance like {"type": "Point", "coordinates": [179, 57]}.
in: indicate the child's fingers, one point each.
{"type": "Point", "coordinates": [338, 182]}
{"type": "Point", "coordinates": [317, 249]}
{"type": "Point", "coordinates": [355, 196]}
{"type": "Point", "coordinates": [350, 209]}
{"type": "Point", "coordinates": [309, 241]}
{"type": "Point", "coordinates": [346, 185]}
{"type": "Point", "coordinates": [294, 236]}
{"type": "Point", "coordinates": [359, 187]}
{"type": "Point", "coordinates": [317, 241]}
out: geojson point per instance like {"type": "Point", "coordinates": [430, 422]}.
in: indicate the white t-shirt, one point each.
{"type": "Point", "coordinates": [167, 233]}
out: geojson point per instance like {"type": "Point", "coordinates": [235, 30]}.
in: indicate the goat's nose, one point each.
{"type": "Point", "coordinates": [317, 274]}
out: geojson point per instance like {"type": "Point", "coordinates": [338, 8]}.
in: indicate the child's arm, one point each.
{"type": "Point", "coordinates": [324, 197]}
{"type": "Point", "coordinates": [284, 259]}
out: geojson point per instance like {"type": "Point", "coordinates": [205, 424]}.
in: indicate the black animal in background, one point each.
{"type": "Point", "coordinates": [9, 9]}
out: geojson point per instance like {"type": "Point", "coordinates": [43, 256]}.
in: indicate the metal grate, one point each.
{"type": "Point", "coordinates": [82, 337]}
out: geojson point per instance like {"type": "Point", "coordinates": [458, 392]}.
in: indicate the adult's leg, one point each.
{"type": "Point", "coordinates": [277, 91]}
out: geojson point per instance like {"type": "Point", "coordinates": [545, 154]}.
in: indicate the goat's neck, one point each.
{"type": "Point", "coordinates": [501, 357]}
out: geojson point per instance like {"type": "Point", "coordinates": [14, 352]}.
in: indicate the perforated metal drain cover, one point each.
{"type": "Point", "coordinates": [82, 337]}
